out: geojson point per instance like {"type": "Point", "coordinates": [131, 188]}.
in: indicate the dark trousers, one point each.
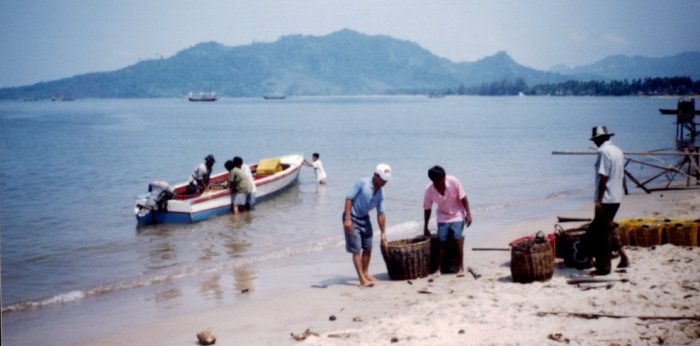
{"type": "Point", "coordinates": [599, 235]}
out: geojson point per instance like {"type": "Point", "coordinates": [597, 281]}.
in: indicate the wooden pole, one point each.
{"type": "Point", "coordinates": [596, 316]}
{"type": "Point", "coordinates": [636, 153]}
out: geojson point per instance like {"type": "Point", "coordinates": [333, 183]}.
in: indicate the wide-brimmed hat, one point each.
{"type": "Point", "coordinates": [600, 131]}
{"type": "Point", "coordinates": [383, 171]}
{"type": "Point", "coordinates": [210, 158]}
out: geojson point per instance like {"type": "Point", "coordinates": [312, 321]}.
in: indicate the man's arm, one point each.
{"type": "Point", "coordinates": [602, 185]}
{"type": "Point", "coordinates": [381, 220]}
{"type": "Point", "coordinates": [347, 223]}
{"type": "Point", "coordinates": [468, 217]}
{"type": "Point", "coordinates": [426, 218]}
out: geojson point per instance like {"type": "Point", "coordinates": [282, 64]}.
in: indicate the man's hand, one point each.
{"type": "Point", "coordinates": [382, 241]}
{"type": "Point", "coordinates": [426, 232]}
{"type": "Point", "coordinates": [468, 219]}
{"type": "Point", "coordinates": [347, 225]}
{"type": "Point", "coordinates": [597, 208]}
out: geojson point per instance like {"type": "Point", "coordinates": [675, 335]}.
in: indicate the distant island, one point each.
{"type": "Point", "coordinates": [350, 63]}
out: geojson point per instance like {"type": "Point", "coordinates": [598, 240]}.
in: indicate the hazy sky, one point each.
{"type": "Point", "coordinates": [45, 40]}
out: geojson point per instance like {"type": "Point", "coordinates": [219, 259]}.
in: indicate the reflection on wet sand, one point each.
{"type": "Point", "coordinates": [244, 276]}
{"type": "Point", "coordinates": [236, 244]}
{"type": "Point", "coordinates": [212, 289]}
{"type": "Point", "coordinates": [167, 295]}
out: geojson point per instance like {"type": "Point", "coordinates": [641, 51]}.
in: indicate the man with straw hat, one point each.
{"type": "Point", "coordinates": [610, 172]}
{"type": "Point", "coordinates": [365, 195]}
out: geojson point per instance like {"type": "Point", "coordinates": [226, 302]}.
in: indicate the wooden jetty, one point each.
{"type": "Point", "coordinates": [686, 127]}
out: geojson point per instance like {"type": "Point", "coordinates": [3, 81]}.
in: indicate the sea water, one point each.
{"type": "Point", "coordinates": [69, 172]}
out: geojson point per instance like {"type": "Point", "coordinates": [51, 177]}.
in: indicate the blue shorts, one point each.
{"type": "Point", "coordinates": [239, 198]}
{"type": "Point", "coordinates": [251, 201]}
{"type": "Point", "coordinates": [454, 228]}
{"type": "Point", "coordinates": [360, 236]}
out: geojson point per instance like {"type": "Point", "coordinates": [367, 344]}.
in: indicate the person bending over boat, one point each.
{"type": "Point", "coordinates": [318, 168]}
{"type": "Point", "coordinates": [365, 195]}
{"type": "Point", "coordinates": [452, 212]}
{"type": "Point", "coordinates": [200, 177]}
{"type": "Point", "coordinates": [239, 185]}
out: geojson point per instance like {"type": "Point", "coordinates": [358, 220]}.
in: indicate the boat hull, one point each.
{"type": "Point", "coordinates": [214, 203]}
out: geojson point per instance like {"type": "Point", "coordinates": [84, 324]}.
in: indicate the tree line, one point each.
{"type": "Point", "coordinates": [636, 87]}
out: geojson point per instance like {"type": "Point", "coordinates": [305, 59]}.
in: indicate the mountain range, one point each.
{"type": "Point", "coordinates": [340, 63]}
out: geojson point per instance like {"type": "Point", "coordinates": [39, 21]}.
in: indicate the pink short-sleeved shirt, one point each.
{"type": "Point", "coordinates": [449, 206]}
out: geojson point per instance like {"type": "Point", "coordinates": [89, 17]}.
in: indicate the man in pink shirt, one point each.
{"type": "Point", "coordinates": [452, 211]}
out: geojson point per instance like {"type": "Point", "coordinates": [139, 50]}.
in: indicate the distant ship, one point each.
{"type": "Point", "coordinates": [56, 98]}
{"type": "Point", "coordinates": [202, 97]}
{"type": "Point", "coordinates": [275, 97]}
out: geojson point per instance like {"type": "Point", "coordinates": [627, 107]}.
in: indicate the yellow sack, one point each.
{"type": "Point", "coordinates": [269, 166]}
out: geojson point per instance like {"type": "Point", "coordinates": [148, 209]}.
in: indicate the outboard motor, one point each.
{"type": "Point", "coordinates": [161, 192]}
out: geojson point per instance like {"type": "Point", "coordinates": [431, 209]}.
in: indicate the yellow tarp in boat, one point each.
{"type": "Point", "coordinates": [269, 166]}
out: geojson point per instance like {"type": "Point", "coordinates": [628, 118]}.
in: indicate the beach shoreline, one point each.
{"type": "Point", "coordinates": [662, 281]}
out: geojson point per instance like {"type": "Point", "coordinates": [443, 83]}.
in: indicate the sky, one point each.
{"type": "Point", "coordinates": [43, 40]}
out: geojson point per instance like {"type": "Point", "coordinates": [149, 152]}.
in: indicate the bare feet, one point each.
{"type": "Point", "coordinates": [598, 273]}
{"type": "Point", "coordinates": [367, 284]}
{"type": "Point", "coordinates": [624, 263]}
{"type": "Point", "coordinates": [370, 278]}
{"type": "Point", "coordinates": [460, 273]}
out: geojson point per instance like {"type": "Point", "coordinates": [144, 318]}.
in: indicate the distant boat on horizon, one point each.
{"type": "Point", "coordinates": [275, 97]}
{"type": "Point", "coordinates": [56, 98]}
{"type": "Point", "coordinates": [202, 97]}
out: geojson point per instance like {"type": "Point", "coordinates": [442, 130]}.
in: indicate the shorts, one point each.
{"type": "Point", "coordinates": [239, 198]}
{"type": "Point", "coordinates": [251, 201]}
{"type": "Point", "coordinates": [445, 228]}
{"type": "Point", "coordinates": [360, 236]}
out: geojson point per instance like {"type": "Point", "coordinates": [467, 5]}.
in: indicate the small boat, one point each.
{"type": "Point", "coordinates": [275, 97]}
{"type": "Point", "coordinates": [202, 97]}
{"type": "Point", "coordinates": [59, 98]}
{"type": "Point", "coordinates": [169, 204]}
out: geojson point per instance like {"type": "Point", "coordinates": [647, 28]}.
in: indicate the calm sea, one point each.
{"type": "Point", "coordinates": [69, 172]}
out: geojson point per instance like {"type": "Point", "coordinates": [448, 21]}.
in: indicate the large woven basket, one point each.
{"type": "Point", "coordinates": [531, 260]}
{"type": "Point", "coordinates": [408, 258]}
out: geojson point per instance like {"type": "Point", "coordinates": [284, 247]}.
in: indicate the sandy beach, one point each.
{"type": "Point", "coordinates": [655, 301]}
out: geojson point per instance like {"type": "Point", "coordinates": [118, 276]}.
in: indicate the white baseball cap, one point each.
{"type": "Point", "coordinates": [383, 171]}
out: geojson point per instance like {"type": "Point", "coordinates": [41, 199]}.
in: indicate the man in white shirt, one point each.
{"type": "Point", "coordinates": [199, 181]}
{"type": "Point", "coordinates": [318, 168]}
{"type": "Point", "coordinates": [609, 180]}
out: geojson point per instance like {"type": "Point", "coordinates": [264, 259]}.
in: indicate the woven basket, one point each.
{"type": "Point", "coordinates": [531, 260]}
{"type": "Point", "coordinates": [408, 258]}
